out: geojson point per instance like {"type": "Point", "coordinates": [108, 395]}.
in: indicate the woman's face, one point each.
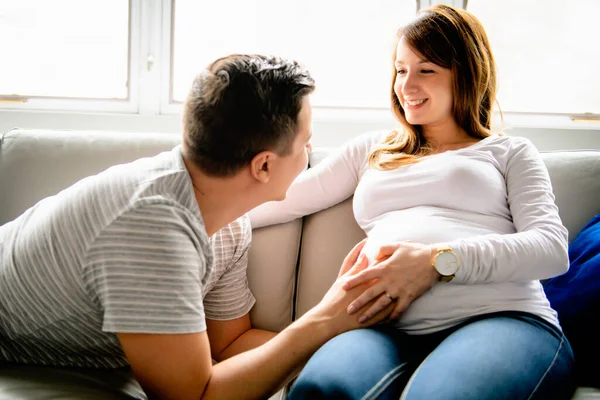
{"type": "Point", "coordinates": [424, 89]}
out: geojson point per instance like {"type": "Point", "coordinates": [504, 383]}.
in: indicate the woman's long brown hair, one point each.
{"type": "Point", "coordinates": [455, 39]}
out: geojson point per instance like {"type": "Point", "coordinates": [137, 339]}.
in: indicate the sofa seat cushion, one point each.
{"type": "Point", "coordinates": [26, 382]}
{"type": "Point", "coordinates": [576, 298]}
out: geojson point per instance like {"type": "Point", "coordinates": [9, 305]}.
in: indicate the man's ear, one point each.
{"type": "Point", "coordinates": [261, 166]}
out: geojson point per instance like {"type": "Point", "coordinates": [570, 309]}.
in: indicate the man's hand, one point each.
{"type": "Point", "coordinates": [354, 259]}
{"type": "Point", "coordinates": [334, 304]}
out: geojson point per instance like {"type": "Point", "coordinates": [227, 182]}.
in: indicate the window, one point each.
{"type": "Point", "coordinates": [140, 56]}
{"type": "Point", "coordinates": [547, 53]}
{"type": "Point", "coordinates": [346, 44]}
{"type": "Point", "coordinates": [64, 49]}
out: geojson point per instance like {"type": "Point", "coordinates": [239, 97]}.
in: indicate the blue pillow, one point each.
{"type": "Point", "coordinates": [576, 298]}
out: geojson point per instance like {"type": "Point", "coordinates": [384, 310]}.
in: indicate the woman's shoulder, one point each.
{"type": "Point", "coordinates": [509, 140]}
{"type": "Point", "coordinates": [510, 151]}
{"type": "Point", "coordinates": [508, 145]}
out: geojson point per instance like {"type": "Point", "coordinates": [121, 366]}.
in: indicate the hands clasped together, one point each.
{"type": "Point", "coordinates": [400, 273]}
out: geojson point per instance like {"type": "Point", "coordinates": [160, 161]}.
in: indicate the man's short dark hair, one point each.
{"type": "Point", "coordinates": [242, 105]}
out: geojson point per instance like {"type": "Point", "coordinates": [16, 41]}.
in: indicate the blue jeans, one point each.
{"type": "Point", "coordinates": [507, 355]}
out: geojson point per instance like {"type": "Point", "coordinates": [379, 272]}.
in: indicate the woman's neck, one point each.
{"type": "Point", "coordinates": [446, 134]}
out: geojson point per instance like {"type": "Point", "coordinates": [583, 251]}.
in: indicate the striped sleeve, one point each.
{"type": "Point", "coordinates": [231, 297]}
{"type": "Point", "coordinates": [146, 270]}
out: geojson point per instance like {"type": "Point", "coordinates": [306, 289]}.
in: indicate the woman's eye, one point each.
{"type": "Point", "coordinates": [427, 71]}
{"type": "Point", "coordinates": [400, 71]}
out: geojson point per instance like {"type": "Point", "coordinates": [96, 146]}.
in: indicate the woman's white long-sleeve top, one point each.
{"type": "Point", "coordinates": [491, 202]}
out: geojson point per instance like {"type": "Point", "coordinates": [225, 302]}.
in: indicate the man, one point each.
{"type": "Point", "coordinates": [118, 269]}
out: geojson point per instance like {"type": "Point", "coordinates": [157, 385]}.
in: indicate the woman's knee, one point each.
{"type": "Point", "coordinates": [329, 384]}
{"type": "Point", "coordinates": [352, 365]}
{"type": "Point", "coordinates": [323, 384]}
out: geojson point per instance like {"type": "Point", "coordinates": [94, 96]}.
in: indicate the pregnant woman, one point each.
{"type": "Point", "coordinates": [461, 226]}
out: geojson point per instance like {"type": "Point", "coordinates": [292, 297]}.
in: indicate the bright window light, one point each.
{"type": "Point", "coordinates": [346, 44]}
{"type": "Point", "coordinates": [547, 53]}
{"type": "Point", "coordinates": [64, 48]}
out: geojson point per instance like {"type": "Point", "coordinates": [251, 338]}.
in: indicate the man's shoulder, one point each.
{"type": "Point", "coordinates": [152, 180]}
{"type": "Point", "coordinates": [238, 232]}
{"type": "Point", "coordinates": [242, 224]}
{"type": "Point", "coordinates": [147, 170]}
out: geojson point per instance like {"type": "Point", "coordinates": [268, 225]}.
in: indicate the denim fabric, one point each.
{"type": "Point", "coordinates": [508, 355]}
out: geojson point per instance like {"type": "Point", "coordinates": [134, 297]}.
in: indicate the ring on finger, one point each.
{"type": "Point", "coordinates": [390, 297]}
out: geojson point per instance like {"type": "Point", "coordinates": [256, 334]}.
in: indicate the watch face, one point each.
{"type": "Point", "coordinates": [446, 263]}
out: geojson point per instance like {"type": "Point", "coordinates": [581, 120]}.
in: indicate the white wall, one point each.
{"type": "Point", "coordinates": [545, 139]}
{"type": "Point", "coordinates": [329, 128]}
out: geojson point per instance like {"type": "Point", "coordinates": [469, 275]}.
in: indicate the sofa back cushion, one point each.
{"type": "Point", "coordinates": [327, 237]}
{"type": "Point", "coordinates": [330, 234]}
{"type": "Point", "coordinates": [35, 163]}
{"type": "Point", "coordinates": [575, 177]}
{"type": "Point", "coordinates": [38, 163]}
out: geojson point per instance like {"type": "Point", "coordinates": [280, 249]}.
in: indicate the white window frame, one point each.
{"type": "Point", "coordinates": [153, 34]}
{"type": "Point", "coordinates": [167, 105]}
{"type": "Point", "coordinates": [64, 104]}
{"type": "Point", "coordinates": [529, 119]}
{"type": "Point", "coordinates": [150, 80]}
{"type": "Point", "coordinates": [320, 113]}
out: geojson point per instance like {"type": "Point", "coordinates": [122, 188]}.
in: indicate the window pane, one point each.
{"type": "Point", "coordinates": [547, 53]}
{"type": "Point", "coordinates": [346, 44]}
{"type": "Point", "coordinates": [64, 48]}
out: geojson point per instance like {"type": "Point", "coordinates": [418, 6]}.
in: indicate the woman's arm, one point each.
{"type": "Point", "coordinates": [324, 185]}
{"type": "Point", "coordinates": [539, 248]}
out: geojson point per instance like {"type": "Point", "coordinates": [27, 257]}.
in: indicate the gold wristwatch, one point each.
{"type": "Point", "coordinates": [445, 262]}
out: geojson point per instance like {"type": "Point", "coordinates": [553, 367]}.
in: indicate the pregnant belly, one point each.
{"type": "Point", "coordinates": [429, 225]}
{"type": "Point", "coordinates": [449, 304]}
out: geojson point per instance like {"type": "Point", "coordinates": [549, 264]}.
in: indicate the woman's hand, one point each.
{"type": "Point", "coordinates": [401, 273]}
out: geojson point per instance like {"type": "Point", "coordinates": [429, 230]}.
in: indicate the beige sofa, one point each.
{"type": "Point", "coordinates": [291, 265]}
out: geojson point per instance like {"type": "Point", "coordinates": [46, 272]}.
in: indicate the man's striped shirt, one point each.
{"type": "Point", "coordinates": [122, 251]}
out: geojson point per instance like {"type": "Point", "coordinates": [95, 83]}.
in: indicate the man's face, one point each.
{"type": "Point", "coordinates": [288, 167]}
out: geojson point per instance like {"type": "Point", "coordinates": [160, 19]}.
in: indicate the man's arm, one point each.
{"type": "Point", "coordinates": [179, 366]}
{"type": "Point", "coordinates": [228, 338]}
{"type": "Point", "coordinates": [231, 335]}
